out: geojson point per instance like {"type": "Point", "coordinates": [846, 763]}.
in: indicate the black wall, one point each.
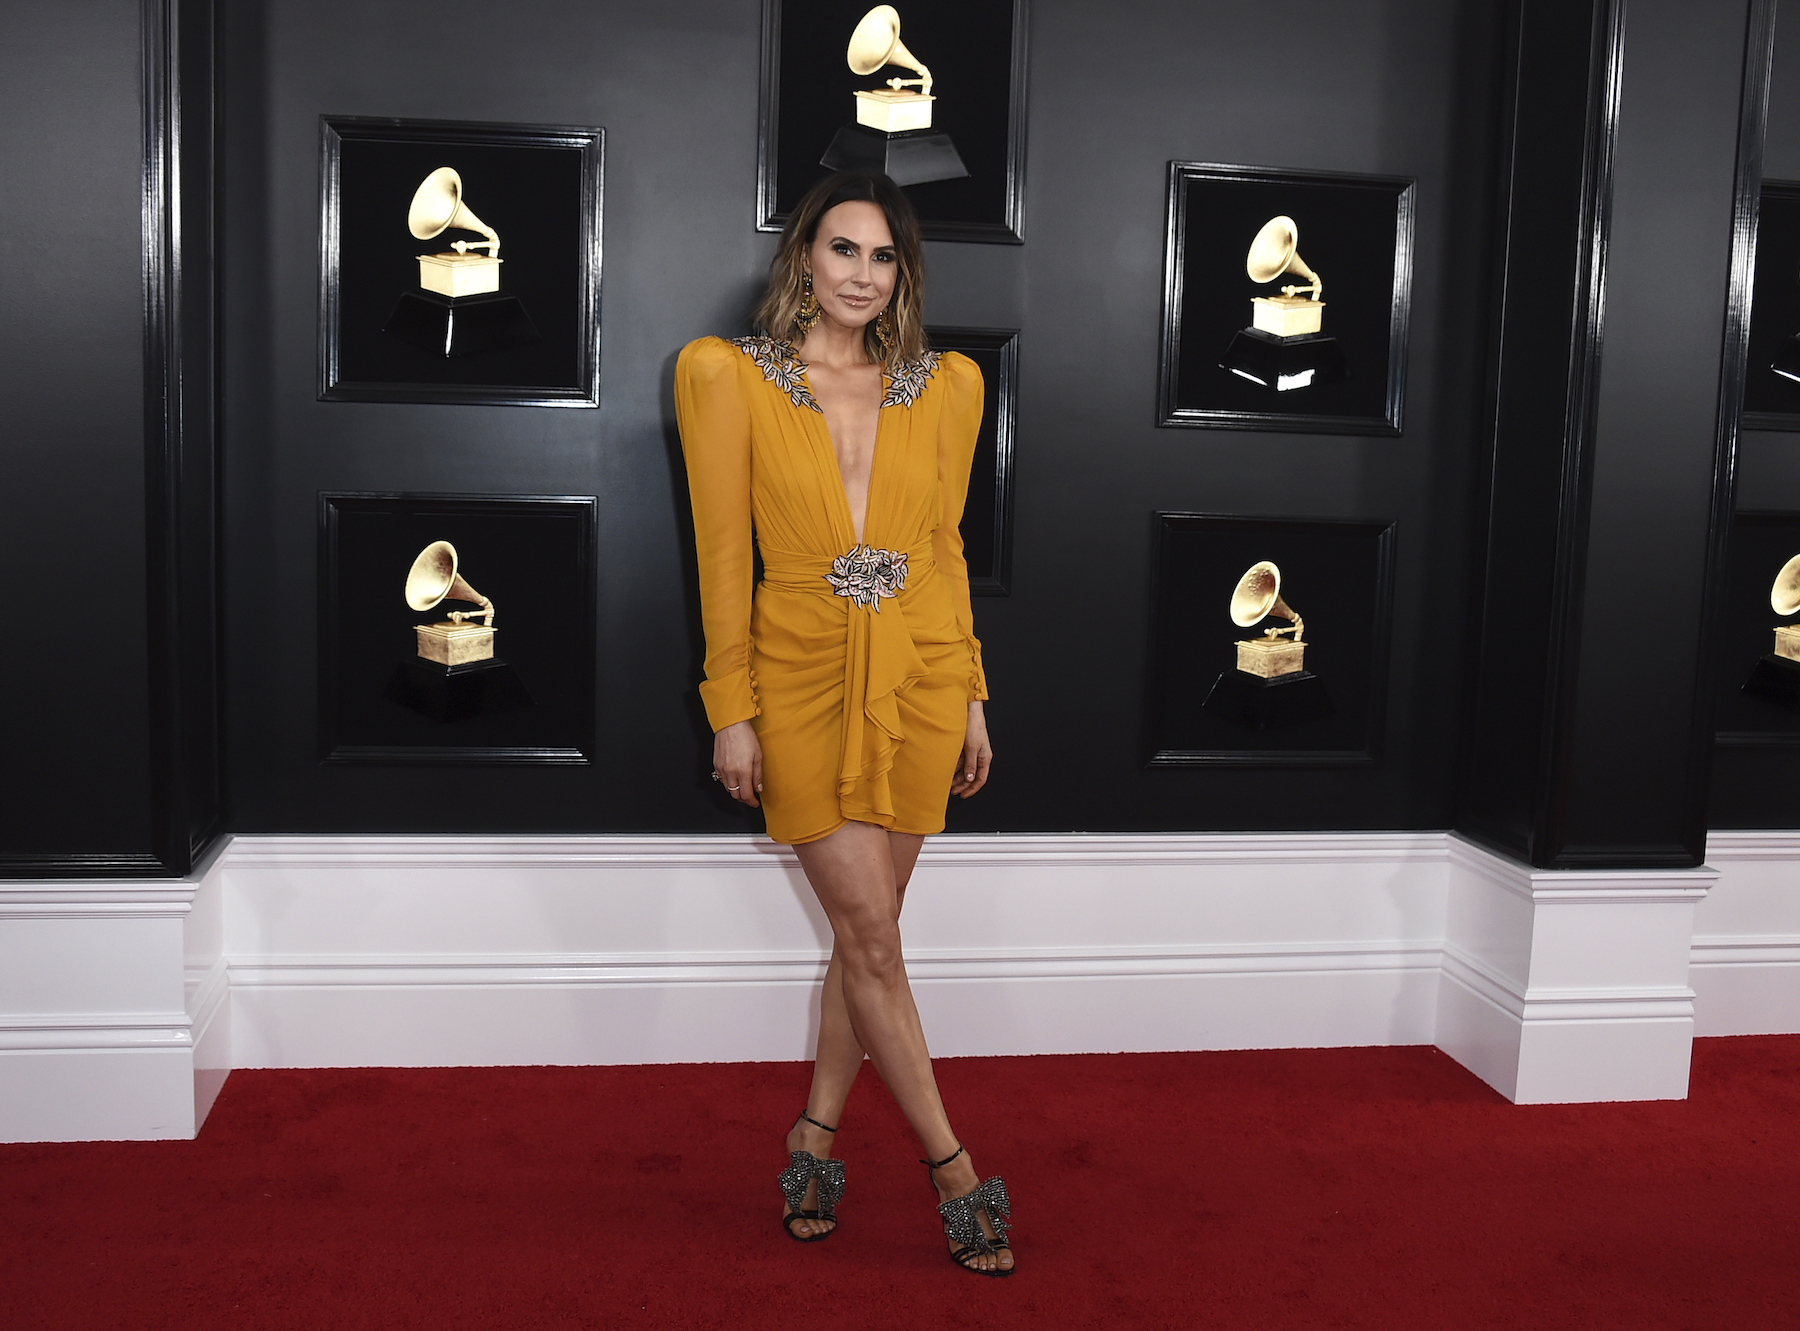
{"type": "Point", "coordinates": [72, 463]}
{"type": "Point", "coordinates": [130, 540]}
{"type": "Point", "coordinates": [1402, 88]}
{"type": "Point", "coordinates": [1755, 786]}
{"type": "Point", "coordinates": [107, 385]}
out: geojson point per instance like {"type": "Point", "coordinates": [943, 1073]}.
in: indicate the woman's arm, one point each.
{"type": "Point", "coordinates": [715, 441]}
{"type": "Point", "coordinates": [958, 427]}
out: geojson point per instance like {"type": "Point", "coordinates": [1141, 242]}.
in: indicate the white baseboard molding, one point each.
{"type": "Point", "coordinates": [1746, 947]}
{"type": "Point", "coordinates": [445, 1010]}
{"type": "Point", "coordinates": [710, 948]}
{"type": "Point", "coordinates": [1560, 987]}
{"type": "Point", "coordinates": [123, 1006]}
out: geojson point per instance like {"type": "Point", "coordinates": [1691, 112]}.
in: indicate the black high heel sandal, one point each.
{"type": "Point", "coordinates": [962, 1220]}
{"type": "Point", "coordinates": [803, 1168]}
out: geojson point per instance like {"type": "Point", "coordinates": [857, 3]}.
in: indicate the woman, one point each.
{"type": "Point", "coordinates": [846, 693]}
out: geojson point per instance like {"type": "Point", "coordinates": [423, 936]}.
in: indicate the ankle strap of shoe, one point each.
{"type": "Point", "coordinates": [815, 1122]}
{"type": "Point", "coordinates": [939, 1164]}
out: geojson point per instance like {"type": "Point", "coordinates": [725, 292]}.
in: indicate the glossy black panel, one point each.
{"type": "Point", "coordinates": [1402, 89]}
{"type": "Point", "coordinates": [78, 746]}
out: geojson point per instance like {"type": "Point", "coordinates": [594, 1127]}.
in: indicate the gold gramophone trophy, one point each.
{"type": "Point", "coordinates": [1271, 685]}
{"type": "Point", "coordinates": [454, 641]}
{"type": "Point", "coordinates": [892, 133]}
{"type": "Point", "coordinates": [456, 675]}
{"type": "Point", "coordinates": [1784, 599]}
{"type": "Point", "coordinates": [438, 207]}
{"type": "Point", "coordinates": [1257, 596]}
{"type": "Point", "coordinates": [1284, 347]}
{"type": "Point", "coordinates": [459, 309]}
{"type": "Point", "coordinates": [1776, 677]}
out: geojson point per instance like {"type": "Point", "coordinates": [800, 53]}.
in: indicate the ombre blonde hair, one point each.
{"type": "Point", "coordinates": [776, 314]}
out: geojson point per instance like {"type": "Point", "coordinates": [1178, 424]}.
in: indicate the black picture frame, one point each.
{"type": "Point", "coordinates": [987, 513]}
{"type": "Point", "coordinates": [1760, 543]}
{"type": "Point", "coordinates": [534, 555]}
{"type": "Point", "coordinates": [542, 188]}
{"type": "Point", "coordinates": [1340, 573]}
{"type": "Point", "coordinates": [1771, 400]}
{"type": "Point", "coordinates": [961, 40]}
{"type": "Point", "coordinates": [1355, 231]}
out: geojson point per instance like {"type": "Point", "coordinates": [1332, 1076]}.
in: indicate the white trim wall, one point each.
{"type": "Point", "coordinates": [1746, 947]}
{"type": "Point", "coordinates": [122, 1005]}
{"type": "Point", "coordinates": [401, 951]}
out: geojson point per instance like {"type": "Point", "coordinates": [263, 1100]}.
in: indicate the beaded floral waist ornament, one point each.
{"type": "Point", "coordinates": [868, 576]}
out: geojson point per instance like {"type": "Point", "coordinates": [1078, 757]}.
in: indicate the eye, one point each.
{"type": "Point", "coordinates": [884, 256]}
{"type": "Point", "coordinates": [845, 248]}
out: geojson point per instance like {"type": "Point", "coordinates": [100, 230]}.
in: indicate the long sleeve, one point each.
{"type": "Point", "coordinates": [958, 427]}
{"type": "Point", "coordinates": [715, 440]}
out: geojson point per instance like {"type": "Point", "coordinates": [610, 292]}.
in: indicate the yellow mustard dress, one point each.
{"type": "Point", "coordinates": [855, 664]}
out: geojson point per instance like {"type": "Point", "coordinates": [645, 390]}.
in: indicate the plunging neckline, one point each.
{"type": "Point", "coordinates": [837, 468]}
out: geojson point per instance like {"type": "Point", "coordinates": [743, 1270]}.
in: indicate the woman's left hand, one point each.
{"type": "Point", "coordinates": [978, 755]}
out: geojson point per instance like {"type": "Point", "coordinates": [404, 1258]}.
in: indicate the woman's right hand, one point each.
{"type": "Point", "coordinates": [737, 762]}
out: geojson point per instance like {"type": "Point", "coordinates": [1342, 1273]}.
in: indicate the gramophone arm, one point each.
{"type": "Point", "coordinates": [923, 82]}
{"type": "Point", "coordinates": [1317, 289]}
{"type": "Point", "coordinates": [486, 613]}
{"type": "Point", "coordinates": [1297, 628]}
{"type": "Point", "coordinates": [492, 243]}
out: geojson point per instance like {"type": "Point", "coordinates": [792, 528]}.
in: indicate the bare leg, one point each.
{"type": "Point", "coordinates": [840, 1054]}
{"type": "Point", "coordinates": [853, 873]}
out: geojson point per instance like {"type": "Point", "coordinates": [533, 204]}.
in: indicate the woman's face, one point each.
{"type": "Point", "coordinates": [853, 263]}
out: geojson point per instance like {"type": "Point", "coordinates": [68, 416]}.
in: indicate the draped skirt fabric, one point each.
{"type": "Point", "coordinates": [864, 711]}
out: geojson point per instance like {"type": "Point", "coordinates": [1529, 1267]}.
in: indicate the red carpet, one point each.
{"type": "Point", "coordinates": [1322, 1188]}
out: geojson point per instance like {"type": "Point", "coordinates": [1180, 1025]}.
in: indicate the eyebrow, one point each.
{"type": "Point", "coordinates": [845, 240]}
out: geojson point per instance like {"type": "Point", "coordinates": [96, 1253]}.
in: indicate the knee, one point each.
{"type": "Point", "coordinates": [870, 945]}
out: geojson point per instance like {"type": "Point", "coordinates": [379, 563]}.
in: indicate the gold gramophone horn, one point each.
{"type": "Point", "coordinates": [1276, 251]}
{"type": "Point", "coordinates": [434, 578]}
{"type": "Point", "coordinates": [1785, 594]}
{"type": "Point", "coordinates": [437, 206]}
{"type": "Point", "coordinates": [876, 42]}
{"type": "Point", "coordinates": [1258, 595]}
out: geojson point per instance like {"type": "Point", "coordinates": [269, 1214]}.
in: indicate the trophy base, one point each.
{"type": "Point", "coordinates": [1266, 704]}
{"type": "Point", "coordinates": [1286, 316]}
{"type": "Point", "coordinates": [458, 692]}
{"type": "Point", "coordinates": [1285, 363]}
{"type": "Point", "coordinates": [913, 157]}
{"type": "Point", "coordinates": [452, 644]}
{"type": "Point", "coordinates": [1775, 679]}
{"type": "Point", "coordinates": [893, 112]}
{"type": "Point", "coordinates": [453, 274]}
{"type": "Point", "coordinates": [1787, 641]}
{"type": "Point", "coordinates": [460, 325]}
{"type": "Point", "coordinates": [1267, 658]}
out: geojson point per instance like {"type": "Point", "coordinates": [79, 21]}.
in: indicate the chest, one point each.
{"type": "Point", "coordinates": [850, 401]}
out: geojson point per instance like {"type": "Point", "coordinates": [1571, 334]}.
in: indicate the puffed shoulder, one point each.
{"type": "Point", "coordinates": [707, 359]}
{"type": "Point", "coordinates": [960, 376]}
{"type": "Point", "coordinates": [958, 368]}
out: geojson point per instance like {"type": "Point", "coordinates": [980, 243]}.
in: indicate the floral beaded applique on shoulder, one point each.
{"type": "Point", "coordinates": [781, 366]}
{"type": "Point", "coordinates": [909, 379]}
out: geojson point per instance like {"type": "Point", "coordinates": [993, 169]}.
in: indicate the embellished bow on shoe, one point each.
{"type": "Point", "coordinates": [962, 1224]}
{"type": "Point", "coordinates": [803, 1168]}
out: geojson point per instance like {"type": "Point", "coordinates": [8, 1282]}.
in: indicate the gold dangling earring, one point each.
{"type": "Point", "coordinates": [884, 332]}
{"type": "Point", "coordinates": [808, 313]}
